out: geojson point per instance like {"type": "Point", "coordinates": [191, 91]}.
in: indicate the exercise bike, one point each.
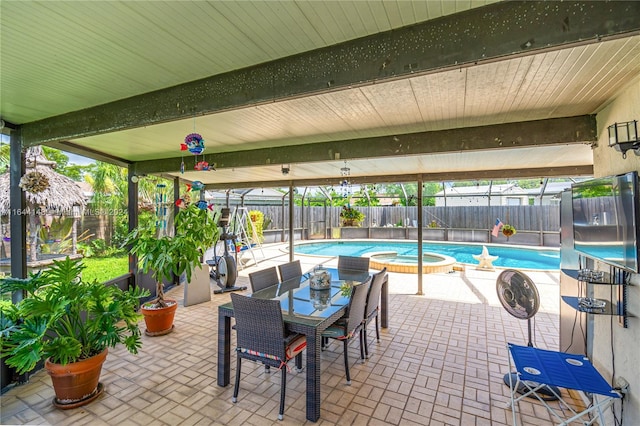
{"type": "Point", "coordinates": [223, 268]}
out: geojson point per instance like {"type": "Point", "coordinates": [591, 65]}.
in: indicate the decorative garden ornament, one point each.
{"type": "Point", "coordinates": [485, 260]}
{"type": "Point", "coordinates": [194, 143]}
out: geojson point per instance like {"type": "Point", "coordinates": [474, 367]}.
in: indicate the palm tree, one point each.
{"type": "Point", "coordinates": [110, 186]}
{"type": "Point", "coordinates": [4, 155]}
{"type": "Point", "coordinates": [107, 181]}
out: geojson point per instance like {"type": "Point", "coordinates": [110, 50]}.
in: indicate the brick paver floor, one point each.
{"type": "Point", "coordinates": [440, 362]}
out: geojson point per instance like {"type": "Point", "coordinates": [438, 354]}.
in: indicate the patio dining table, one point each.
{"type": "Point", "coordinates": [305, 311]}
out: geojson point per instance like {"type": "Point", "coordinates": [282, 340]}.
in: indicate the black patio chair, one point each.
{"type": "Point", "coordinates": [373, 307]}
{"type": "Point", "coordinates": [353, 263]}
{"type": "Point", "coordinates": [262, 337]}
{"type": "Point", "coordinates": [263, 279]}
{"type": "Point", "coordinates": [346, 328]}
{"type": "Point", "coordinates": [290, 270]}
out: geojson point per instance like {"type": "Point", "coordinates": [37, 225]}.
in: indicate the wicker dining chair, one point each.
{"type": "Point", "coordinates": [349, 327]}
{"type": "Point", "coordinates": [373, 307]}
{"type": "Point", "coordinates": [262, 337]}
{"type": "Point", "coordinates": [353, 263]}
{"type": "Point", "coordinates": [263, 279]}
{"type": "Point", "coordinates": [290, 270]}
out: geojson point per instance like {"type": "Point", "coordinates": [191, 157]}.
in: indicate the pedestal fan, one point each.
{"type": "Point", "coordinates": [519, 296]}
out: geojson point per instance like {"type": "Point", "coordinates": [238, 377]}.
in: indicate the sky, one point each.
{"type": "Point", "coordinates": [73, 158]}
{"type": "Point", "coordinates": [78, 159]}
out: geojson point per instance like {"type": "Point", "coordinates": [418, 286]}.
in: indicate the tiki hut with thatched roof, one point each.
{"type": "Point", "coordinates": [47, 192]}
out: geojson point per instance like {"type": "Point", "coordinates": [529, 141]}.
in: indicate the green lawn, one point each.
{"type": "Point", "coordinates": [105, 268]}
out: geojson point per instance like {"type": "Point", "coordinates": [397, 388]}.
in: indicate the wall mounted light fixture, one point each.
{"type": "Point", "coordinates": [624, 136]}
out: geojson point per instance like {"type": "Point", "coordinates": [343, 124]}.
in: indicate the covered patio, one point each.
{"type": "Point", "coordinates": [397, 91]}
{"type": "Point", "coordinates": [440, 362]}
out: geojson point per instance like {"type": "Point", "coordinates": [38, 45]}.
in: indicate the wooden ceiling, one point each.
{"type": "Point", "coordinates": [399, 90]}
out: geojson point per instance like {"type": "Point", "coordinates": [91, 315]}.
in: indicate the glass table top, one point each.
{"type": "Point", "coordinates": [300, 302]}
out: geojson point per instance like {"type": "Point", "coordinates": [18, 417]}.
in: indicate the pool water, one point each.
{"type": "Point", "coordinates": [508, 257]}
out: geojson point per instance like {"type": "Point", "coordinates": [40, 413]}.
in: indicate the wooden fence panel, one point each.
{"type": "Point", "coordinates": [526, 218]}
{"type": "Point", "coordinates": [317, 219]}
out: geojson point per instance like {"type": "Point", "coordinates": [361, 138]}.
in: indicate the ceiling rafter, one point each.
{"type": "Point", "coordinates": [569, 130]}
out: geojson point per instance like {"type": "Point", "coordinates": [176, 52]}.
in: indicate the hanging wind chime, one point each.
{"type": "Point", "coordinates": [161, 208]}
{"type": "Point", "coordinates": [345, 184]}
{"type": "Point", "coordinates": [194, 143]}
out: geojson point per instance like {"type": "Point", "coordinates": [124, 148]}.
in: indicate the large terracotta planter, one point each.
{"type": "Point", "coordinates": [159, 321]}
{"type": "Point", "coordinates": [76, 384]}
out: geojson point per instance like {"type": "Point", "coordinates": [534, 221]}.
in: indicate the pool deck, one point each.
{"type": "Point", "coordinates": [440, 362]}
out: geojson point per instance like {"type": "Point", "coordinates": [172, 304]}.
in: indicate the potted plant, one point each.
{"type": "Point", "coordinates": [195, 231]}
{"type": "Point", "coordinates": [508, 230]}
{"type": "Point", "coordinates": [350, 216]}
{"type": "Point", "coordinates": [70, 323]}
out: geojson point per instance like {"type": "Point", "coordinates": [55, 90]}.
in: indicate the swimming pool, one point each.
{"type": "Point", "coordinates": [508, 256]}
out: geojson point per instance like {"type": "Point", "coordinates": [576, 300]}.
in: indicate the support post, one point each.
{"type": "Point", "coordinates": [291, 222]}
{"type": "Point", "coordinates": [18, 210]}
{"type": "Point", "coordinates": [132, 213]}
{"type": "Point", "coordinates": [420, 236]}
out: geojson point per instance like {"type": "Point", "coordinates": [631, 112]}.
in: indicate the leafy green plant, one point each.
{"type": "Point", "coordinates": [195, 231]}
{"type": "Point", "coordinates": [350, 216]}
{"type": "Point", "coordinates": [121, 226]}
{"type": "Point", "coordinates": [66, 318]}
{"type": "Point", "coordinates": [99, 248]}
{"type": "Point", "coordinates": [345, 289]}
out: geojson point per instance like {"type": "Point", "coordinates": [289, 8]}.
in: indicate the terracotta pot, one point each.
{"type": "Point", "coordinates": [159, 321]}
{"type": "Point", "coordinates": [76, 384]}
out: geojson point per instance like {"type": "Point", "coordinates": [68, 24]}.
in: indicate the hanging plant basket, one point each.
{"type": "Point", "coordinates": [34, 182]}
{"type": "Point", "coordinates": [350, 216]}
{"type": "Point", "coordinates": [508, 231]}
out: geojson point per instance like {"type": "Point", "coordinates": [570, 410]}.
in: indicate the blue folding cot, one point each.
{"type": "Point", "coordinates": [537, 368]}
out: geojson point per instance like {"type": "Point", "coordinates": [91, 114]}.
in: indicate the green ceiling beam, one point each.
{"type": "Point", "coordinates": [497, 31]}
{"type": "Point", "coordinates": [569, 130]}
{"type": "Point", "coordinates": [534, 173]}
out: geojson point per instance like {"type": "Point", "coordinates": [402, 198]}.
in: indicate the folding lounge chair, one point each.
{"type": "Point", "coordinates": [536, 368]}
